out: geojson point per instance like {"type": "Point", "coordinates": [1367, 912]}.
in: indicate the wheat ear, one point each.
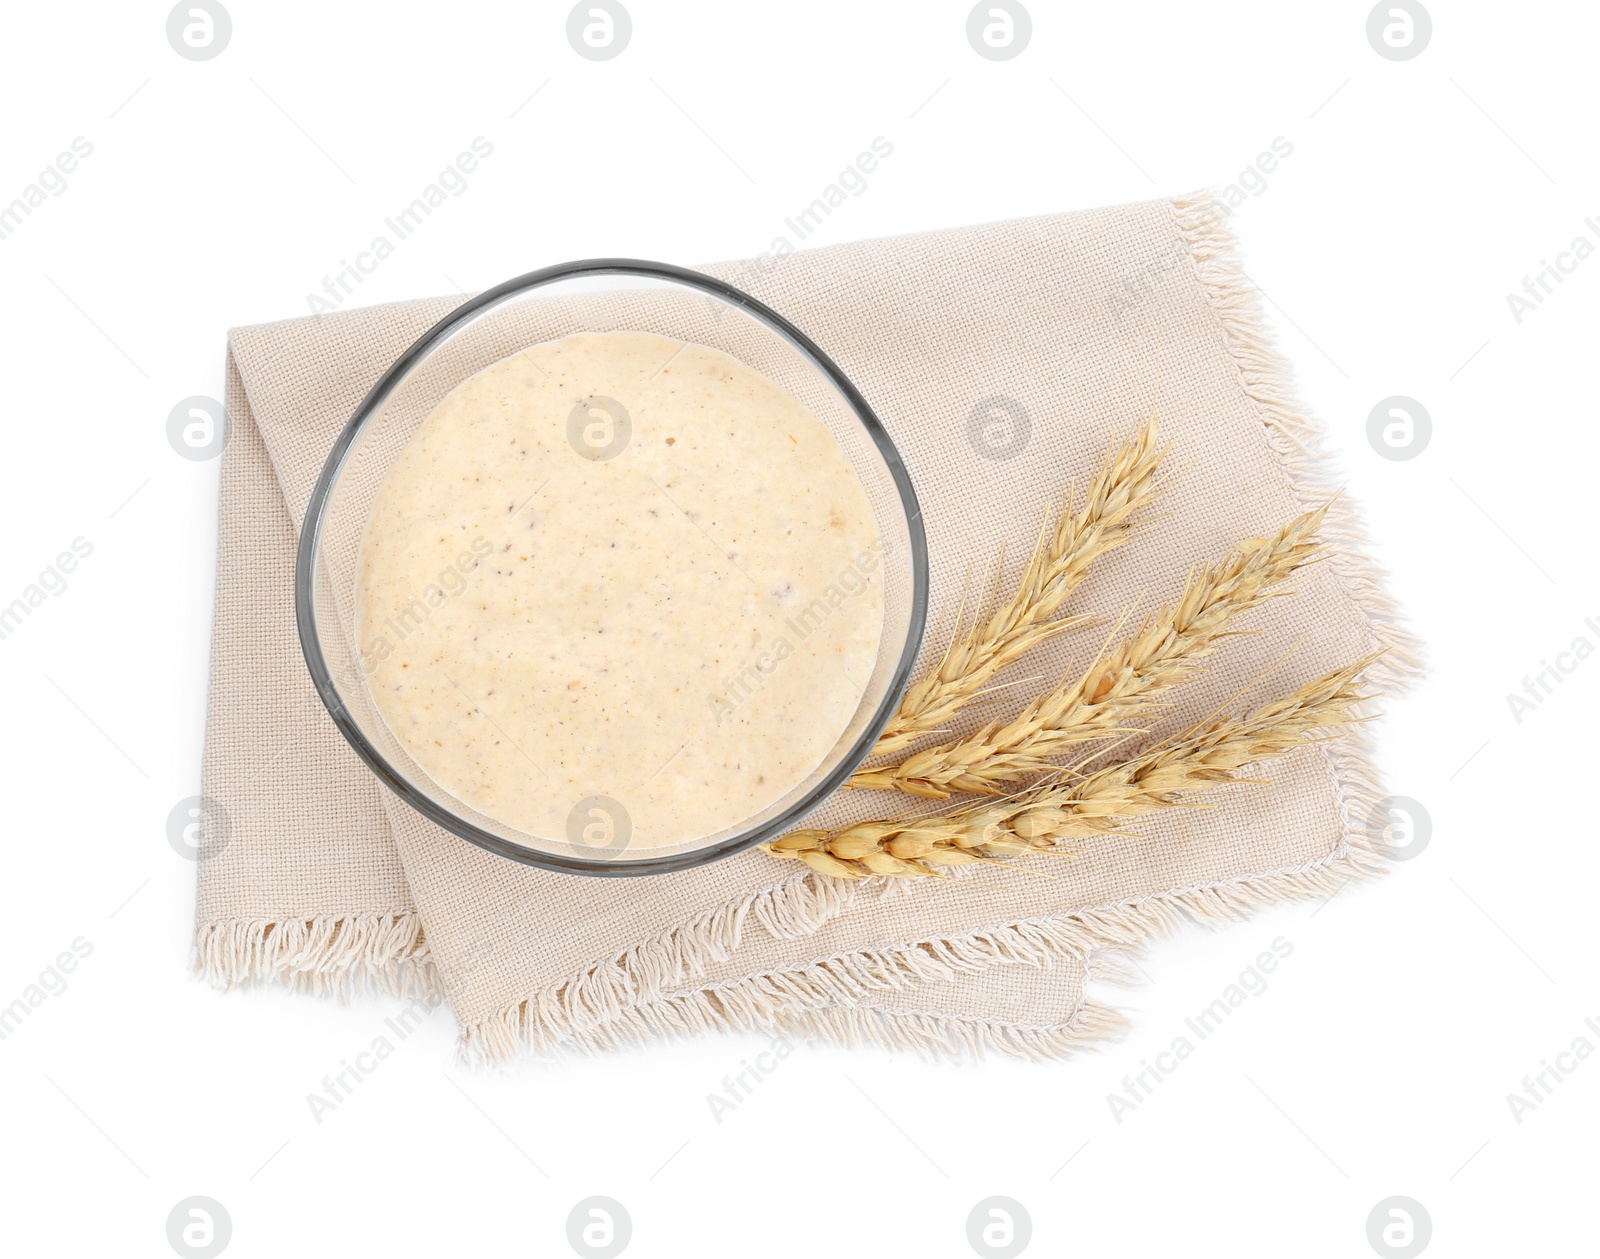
{"type": "Point", "coordinates": [1203, 759]}
{"type": "Point", "coordinates": [1061, 558]}
{"type": "Point", "coordinates": [1117, 687]}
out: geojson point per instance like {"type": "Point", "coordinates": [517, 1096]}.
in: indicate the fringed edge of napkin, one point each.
{"type": "Point", "coordinates": [1296, 439]}
{"type": "Point", "coordinates": [938, 1035]}
{"type": "Point", "coordinates": [605, 994]}
{"type": "Point", "coordinates": [330, 955]}
{"type": "Point", "coordinates": [624, 1001]}
{"type": "Point", "coordinates": [612, 1006]}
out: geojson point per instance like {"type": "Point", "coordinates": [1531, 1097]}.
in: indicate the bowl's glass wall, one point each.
{"type": "Point", "coordinates": [556, 309]}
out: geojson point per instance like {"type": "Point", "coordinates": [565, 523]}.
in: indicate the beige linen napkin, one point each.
{"type": "Point", "coordinates": [315, 875]}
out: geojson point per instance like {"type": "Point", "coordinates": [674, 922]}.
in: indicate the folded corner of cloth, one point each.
{"type": "Point", "coordinates": [314, 875]}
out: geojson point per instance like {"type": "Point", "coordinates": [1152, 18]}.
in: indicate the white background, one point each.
{"type": "Point", "coordinates": [1418, 195]}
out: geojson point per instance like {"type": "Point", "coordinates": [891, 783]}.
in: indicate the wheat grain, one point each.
{"type": "Point", "coordinates": [1124, 483]}
{"type": "Point", "coordinates": [1120, 687]}
{"type": "Point", "coordinates": [1202, 759]}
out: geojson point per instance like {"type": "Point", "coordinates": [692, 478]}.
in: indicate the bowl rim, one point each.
{"type": "Point", "coordinates": [311, 536]}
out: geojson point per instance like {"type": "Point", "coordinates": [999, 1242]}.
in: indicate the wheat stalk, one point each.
{"type": "Point", "coordinates": [1121, 686]}
{"type": "Point", "coordinates": [1202, 759]}
{"type": "Point", "coordinates": [1061, 558]}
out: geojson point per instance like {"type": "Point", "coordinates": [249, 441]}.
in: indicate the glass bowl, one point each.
{"type": "Point", "coordinates": [599, 295]}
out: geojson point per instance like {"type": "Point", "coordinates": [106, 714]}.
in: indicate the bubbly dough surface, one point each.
{"type": "Point", "coordinates": [621, 590]}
